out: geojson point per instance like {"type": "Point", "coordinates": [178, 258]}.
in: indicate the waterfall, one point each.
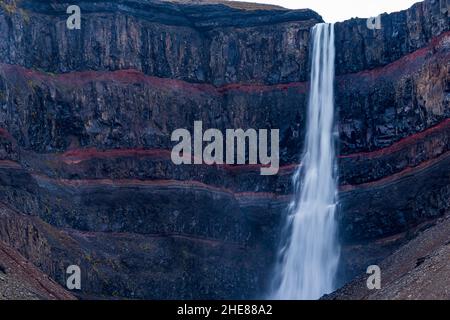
{"type": "Point", "coordinates": [309, 256]}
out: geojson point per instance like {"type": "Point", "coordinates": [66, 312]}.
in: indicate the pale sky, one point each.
{"type": "Point", "coordinates": [340, 10]}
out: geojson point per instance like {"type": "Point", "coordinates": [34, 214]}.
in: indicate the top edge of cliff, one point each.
{"type": "Point", "coordinates": [416, 5]}
{"type": "Point", "coordinates": [202, 14]}
{"type": "Point", "coordinates": [241, 5]}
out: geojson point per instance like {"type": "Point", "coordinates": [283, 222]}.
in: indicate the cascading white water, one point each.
{"type": "Point", "coordinates": [310, 255]}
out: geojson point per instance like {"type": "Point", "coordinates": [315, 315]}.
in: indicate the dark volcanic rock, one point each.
{"type": "Point", "coordinates": [212, 43]}
{"type": "Point", "coordinates": [86, 118]}
{"type": "Point", "coordinates": [359, 48]}
{"type": "Point", "coordinates": [127, 265]}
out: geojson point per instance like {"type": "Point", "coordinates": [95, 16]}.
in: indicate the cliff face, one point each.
{"type": "Point", "coordinates": [86, 118]}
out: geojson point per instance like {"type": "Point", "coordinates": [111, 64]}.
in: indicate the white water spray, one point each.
{"type": "Point", "coordinates": [310, 255]}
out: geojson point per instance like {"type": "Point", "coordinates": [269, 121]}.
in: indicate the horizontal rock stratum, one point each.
{"type": "Point", "coordinates": [86, 117]}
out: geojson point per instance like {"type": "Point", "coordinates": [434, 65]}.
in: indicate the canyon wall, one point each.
{"type": "Point", "coordinates": [86, 118]}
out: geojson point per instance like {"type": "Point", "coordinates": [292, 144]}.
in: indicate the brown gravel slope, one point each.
{"type": "Point", "coordinates": [419, 270]}
{"type": "Point", "coordinates": [21, 280]}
